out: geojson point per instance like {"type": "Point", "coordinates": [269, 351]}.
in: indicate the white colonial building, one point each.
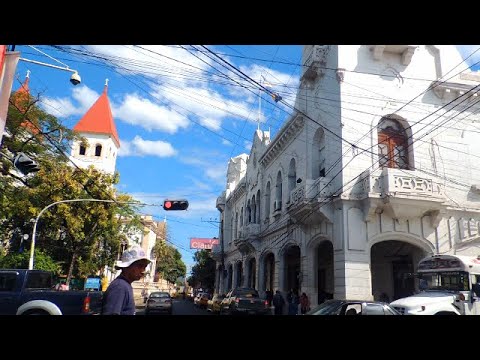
{"type": "Point", "coordinates": [375, 169]}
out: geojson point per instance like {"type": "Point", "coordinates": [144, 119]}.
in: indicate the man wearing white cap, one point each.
{"type": "Point", "coordinates": [118, 299]}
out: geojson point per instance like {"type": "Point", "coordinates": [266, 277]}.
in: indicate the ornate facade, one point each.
{"type": "Point", "coordinates": [374, 170]}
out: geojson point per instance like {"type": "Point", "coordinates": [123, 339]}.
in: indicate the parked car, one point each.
{"type": "Point", "coordinates": [353, 307]}
{"type": "Point", "coordinates": [159, 301]}
{"type": "Point", "coordinates": [201, 300]}
{"type": "Point", "coordinates": [244, 301]}
{"type": "Point", "coordinates": [215, 302]}
{"type": "Point", "coordinates": [31, 292]}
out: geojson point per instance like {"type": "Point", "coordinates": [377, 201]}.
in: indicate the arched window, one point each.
{"type": "Point", "coordinates": [241, 217]}
{"type": "Point", "coordinates": [292, 176]}
{"type": "Point", "coordinates": [98, 150]}
{"type": "Point", "coordinates": [278, 193]}
{"type": "Point", "coordinates": [236, 225]}
{"type": "Point", "coordinates": [318, 154]}
{"type": "Point", "coordinates": [267, 200]}
{"type": "Point", "coordinates": [82, 150]}
{"type": "Point", "coordinates": [258, 219]}
{"type": "Point", "coordinates": [254, 210]}
{"type": "Point", "coordinates": [249, 213]}
{"type": "Point", "coordinates": [392, 144]}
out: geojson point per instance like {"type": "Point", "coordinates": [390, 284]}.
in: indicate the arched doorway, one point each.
{"type": "Point", "coordinates": [393, 264]}
{"type": "Point", "coordinates": [239, 273]}
{"type": "Point", "coordinates": [252, 273]}
{"type": "Point", "coordinates": [292, 268]}
{"type": "Point", "coordinates": [269, 271]}
{"type": "Point", "coordinates": [325, 272]}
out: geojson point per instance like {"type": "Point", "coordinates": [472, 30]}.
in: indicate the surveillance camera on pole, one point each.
{"type": "Point", "coordinates": [75, 79]}
{"type": "Point", "coordinates": [175, 205]}
{"type": "Point", "coordinates": [24, 164]}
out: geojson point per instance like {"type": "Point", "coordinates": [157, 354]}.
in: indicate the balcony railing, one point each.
{"type": "Point", "coordinates": [311, 190]}
{"type": "Point", "coordinates": [400, 182]}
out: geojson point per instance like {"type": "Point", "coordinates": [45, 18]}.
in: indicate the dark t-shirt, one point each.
{"type": "Point", "coordinates": [118, 299]}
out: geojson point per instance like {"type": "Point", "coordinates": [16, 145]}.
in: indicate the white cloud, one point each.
{"type": "Point", "coordinates": [141, 147]}
{"type": "Point", "coordinates": [64, 107]}
{"type": "Point", "coordinates": [154, 60]}
{"type": "Point", "coordinates": [226, 142]}
{"type": "Point", "coordinates": [142, 112]}
{"type": "Point", "coordinates": [213, 168]}
{"type": "Point", "coordinates": [248, 145]}
{"type": "Point", "coordinates": [212, 124]}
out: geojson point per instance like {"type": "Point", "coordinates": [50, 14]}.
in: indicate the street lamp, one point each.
{"type": "Point", "coordinates": [32, 246]}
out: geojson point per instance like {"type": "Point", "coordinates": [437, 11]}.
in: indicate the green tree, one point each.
{"type": "Point", "coordinates": [20, 261]}
{"type": "Point", "coordinates": [169, 260]}
{"type": "Point", "coordinates": [203, 272]}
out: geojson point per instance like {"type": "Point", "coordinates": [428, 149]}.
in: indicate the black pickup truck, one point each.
{"type": "Point", "coordinates": [30, 292]}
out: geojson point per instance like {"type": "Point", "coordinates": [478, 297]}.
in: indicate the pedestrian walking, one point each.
{"type": "Point", "coordinates": [304, 304]}
{"type": "Point", "coordinates": [292, 299]}
{"type": "Point", "coordinates": [118, 299]}
{"type": "Point", "coordinates": [278, 302]}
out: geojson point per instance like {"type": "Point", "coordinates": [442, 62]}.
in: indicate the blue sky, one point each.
{"type": "Point", "coordinates": [179, 114]}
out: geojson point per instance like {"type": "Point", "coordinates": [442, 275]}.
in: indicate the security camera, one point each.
{"type": "Point", "coordinates": [75, 79]}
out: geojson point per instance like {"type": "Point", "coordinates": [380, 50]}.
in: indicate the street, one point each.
{"type": "Point", "coordinates": [180, 307]}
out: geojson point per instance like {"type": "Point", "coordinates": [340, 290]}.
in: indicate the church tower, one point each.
{"type": "Point", "coordinates": [98, 128]}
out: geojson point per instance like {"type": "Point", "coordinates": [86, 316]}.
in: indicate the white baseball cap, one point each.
{"type": "Point", "coordinates": [130, 256]}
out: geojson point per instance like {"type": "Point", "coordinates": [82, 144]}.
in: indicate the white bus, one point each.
{"type": "Point", "coordinates": [449, 285]}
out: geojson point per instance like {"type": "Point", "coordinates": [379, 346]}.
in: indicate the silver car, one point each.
{"type": "Point", "coordinates": [159, 301]}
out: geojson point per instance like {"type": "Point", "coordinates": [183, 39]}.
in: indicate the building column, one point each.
{"type": "Point", "coordinates": [353, 278]}
{"type": "Point", "coordinates": [235, 275]}
{"type": "Point", "coordinates": [309, 269]}
{"type": "Point", "coordinates": [280, 274]}
{"type": "Point", "coordinates": [260, 281]}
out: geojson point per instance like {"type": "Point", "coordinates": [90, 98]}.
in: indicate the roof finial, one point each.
{"type": "Point", "coordinates": [106, 86]}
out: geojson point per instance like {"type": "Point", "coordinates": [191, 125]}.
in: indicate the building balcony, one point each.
{"type": "Point", "coordinates": [306, 198]}
{"type": "Point", "coordinates": [402, 194]}
{"type": "Point", "coordinates": [216, 252]}
{"type": "Point", "coordinates": [243, 242]}
{"type": "Point", "coordinates": [220, 204]}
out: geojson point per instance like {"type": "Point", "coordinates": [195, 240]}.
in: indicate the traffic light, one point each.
{"type": "Point", "coordinates": [24, 164]}
{"type": "Point", "coordinates": [175, 205]}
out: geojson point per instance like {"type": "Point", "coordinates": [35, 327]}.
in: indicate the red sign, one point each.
{"type": "Point", "coordinates": [203, 243]}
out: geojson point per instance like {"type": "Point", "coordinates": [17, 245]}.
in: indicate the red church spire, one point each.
{"type": "Point", "coordinates": [98, 119]}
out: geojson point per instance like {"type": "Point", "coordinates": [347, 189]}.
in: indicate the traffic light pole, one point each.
{"type": "Point", "coordinates": [34, 232]}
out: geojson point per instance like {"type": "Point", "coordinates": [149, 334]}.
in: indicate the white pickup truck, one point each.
{"type": "Point", "coordinates": [449, 284]}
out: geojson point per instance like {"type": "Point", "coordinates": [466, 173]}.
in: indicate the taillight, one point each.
{"type": "Point", "coordinates": [86, 304]}
{"type": "Point", "coordinates": [461, 297]}
{"type": "Point", "coordinates": [237, 300]}
{"type": "Point", "coordinates": [266, 303]}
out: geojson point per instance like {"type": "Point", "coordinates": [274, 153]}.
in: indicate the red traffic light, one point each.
{"type": "Point", "coordinates": [175, 205]}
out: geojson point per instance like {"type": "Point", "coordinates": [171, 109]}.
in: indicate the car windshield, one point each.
{"type": "Point", "coordinates": [160, 295]}
{"type": "Point", "coordinates": [327, 308]}
{"type": "Point", "coordinates": [451, 281]}
{"type": "Point", "coordinates": [246, 293]}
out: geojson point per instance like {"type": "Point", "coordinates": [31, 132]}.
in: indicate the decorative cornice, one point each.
{"type": "Point", "coordinates": [239, 191]}
{"type": "Point", "coordinates": [457, 89]}
{"type": "Point", "coordinates": [286, 135]}
{"type": "Point", "coordinates": [406, 51]}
